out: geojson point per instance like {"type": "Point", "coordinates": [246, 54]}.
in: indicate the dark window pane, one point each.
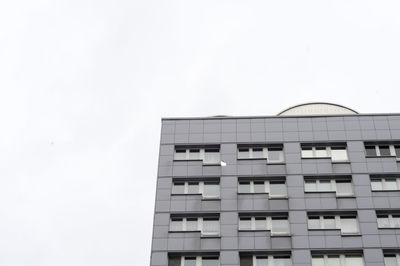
{"type": "Point", "coordinates": [384, 149]}
{"type": "Point", "coordinates": [174, 261]}
{"type": "Point", "coordinates": [370, 150]}
{"type": "Point", "coordinates": [246, 261]}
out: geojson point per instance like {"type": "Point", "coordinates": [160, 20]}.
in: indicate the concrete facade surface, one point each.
{"type": "Point", "coordinates": [331, 213]}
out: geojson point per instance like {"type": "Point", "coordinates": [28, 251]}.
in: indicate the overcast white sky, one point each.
{"type": "Point", "coordinates": [83, 85]}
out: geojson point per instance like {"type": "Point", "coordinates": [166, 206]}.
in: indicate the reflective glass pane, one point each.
{"type": "Point", "coordinates": [354, 261]}
{"type": "Point", "coordinates": [190, 261]}
{"type": "Point", "coordinates": [281, 261]}
{"type": "Point", "coordinates": [344, 188]}
{"type": "Point", "coordinates": [390, 184]}
{"type": "Point", "coordinates": [310, 185]}
{"type": "Point", "coordinates": [210, 261]}
{"type": "Point", "coordinates": [245, 223]}
{"type": "Point", "coordinates": [339, 155]}
{"type": "Point", "coordinates": [193, 187]}
{"type": "Point", "coordinates": [390, 260]}
{"type": "Point", "coordinates": [210, 225]}
{"type": "Point", "coordinates": [396, 221]}
{"type": "Point", "coordinates": [383, 221]}
{"type": "Point", "coordinates": [243, 153]}
{"type": "Point", "coordinates": [280, 225]}
{"type": "Point", "coordinates": [244, 187]}
{"type": "Point", "coordinates": [314, 222]}
{"type": "Point", "coordinates": [333, 261]}
{"type": "Point", "coordinates": [370, 150]}
{"type": "Point", "coordinates": [212, 156]}
{"type": "Point", "coordinates": [261, 223]}
{"type": "Point", "coordinates": [191, 224]}
{"type": "Point", "coordinates": [259, 187]}
{"type": "Point", "coordinates": [275, 156]}
{"type": "Point", "coordinates": [306, 152]}
{"type": "Point", "coordinates": [277, 189]}
{"type": "Point", "coordinates": [321, 152]}
{"type": "Point", "coordinates": [180, 154]}
{"type": "Point", "coordinates": [258, 153]}
{"type": "Point", "coordinates": [348, 225]}
{"type": "Point", "coordinates": [376, 184]}
{"type": "Point", "coordinates": [176, 224]}
{"type": "Point", "coordinates": [317, 261]}
{"type": "Point", "coordinates": [178, 188]}
{"type": "Point", "coordinates": [262, 261]}
{"type": "Point", "coordinates": [329, 222]}
{"type": "Point", "coordinates": [211, 190]}
{"type": "Point", "coordinates": [324, 185]}
{"type": "Point", "coordinates": [194, 154]}
{"type": "Point", "coordinates": [384, 149]}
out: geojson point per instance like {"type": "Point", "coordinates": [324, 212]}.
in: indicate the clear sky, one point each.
{"type": "Point", "coordinates": [84, 84]}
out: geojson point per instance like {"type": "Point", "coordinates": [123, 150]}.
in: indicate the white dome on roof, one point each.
{"type": "Point", "coordinates": [318, 108]}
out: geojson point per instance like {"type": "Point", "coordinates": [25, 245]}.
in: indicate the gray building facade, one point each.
{"type": "Point", "coordinates": [280, 190]}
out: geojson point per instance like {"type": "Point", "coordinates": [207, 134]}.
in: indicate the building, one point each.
{"type": "Point", "coordinates": [318, 184]}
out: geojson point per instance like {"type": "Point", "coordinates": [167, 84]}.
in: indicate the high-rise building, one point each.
{"type": "Point", "coordinates": [318, 184]}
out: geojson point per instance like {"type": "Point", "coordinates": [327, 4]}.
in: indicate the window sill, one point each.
{"type": "Point", "coordinates": [187, 160]}
{"type": "Point", "coordinates": [265, 230]}
{"type": "Point", "coordinates": [347, 235]}
{"type": "Point", "coordinates": [276, 163]}
{"type": "Point", "coordinates": [196, 231]}
{"type": "Point", "coordinates": [306, 158]}
{"type": "Point", "coordinates": [392, 190]}
{"type": "Point", "coordinates": [263, 193]}
{"type": "Point", "coordinates": [212, 164]}
{"type": "Point", "coordinates": [385, 228]}
{"type": "Point", "coordinates": [346, 196]}
{"type": "Point", "coordinates": [328, 229]}
{"type": "Point", "coordinates": [384, 156]}
{"type": "Point", "coordinates": [186, 194]}
{"type": "Point", "coordinates": [210, 236]}
{"type": "Point", "coordinates": [338, 162]}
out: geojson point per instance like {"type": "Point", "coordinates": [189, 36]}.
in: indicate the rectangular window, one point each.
{"type": "Point", "coordinates": [388, 220]}
{"type": "Point", "coordinates": [208, 226]}
{"type": "Point", "coordinates": [208, 189]}
{"type": "Point", "coordinates": [275, 188]}
{"type": "Point", "coordinates": [337, 260]}
{"type": "Point", "coordinates": [342, 187]}
{"type": "Point", "coordinates": [348, 224]}
{"type": "Point", "coordinates": [265, 260]}
{"type": "Point", "coordinates": [194, 260]}
{"type": "Point", "coordinates": [337, 153]}
{"type": "Point", "coordinates": [277, 225]}
{"type": "Point", "coordinates": [385, 183]}
{"type": "Point", "coordinates": [392, 259]}
{"type": "Point", "coordinates": [382, 150]}
{"type": "Point", "coordinates": [272, 154]}
{"type": "Point", "coordinates": [209, 155]}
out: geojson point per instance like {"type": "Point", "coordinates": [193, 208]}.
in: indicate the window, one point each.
{"type": "Point", "coordinates": [382, 150]}
{"type": "Point", "coordinates": [342, 187]}
{"type": "Point", "coordinates": [385, 183]}
{"type": "Point", "coordinates": [208, 226]}
{"type": "Point", "coordinates": [273, 154]}
{"type": "Point", "coordinates": [392, 259]}
{"type": "Point", "coordinates": [208, 189]}
{"type": "Point", "coordinates": [210, 155]}
{"type": "Point", "coordinates": [265, 260]}
{"type": "Point", "coordinates": [347, 224]}
{"type": "Point", "coordinates": [275, 188]}
{"type": "Point", "coordinates": [388, 220]}
{"type": "Point", "coordinates": [337, 260]}
{"type": "Point", "coordinates": [337, 153]}
{"type": "Point", "coordinates": [278, 225]}
{"type": "Point", "coordinates": [209, 260]}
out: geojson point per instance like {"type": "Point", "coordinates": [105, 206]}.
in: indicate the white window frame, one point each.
{"type": "Point", "coordinates": [265, 155]}
{"type": "Point", "coordinates": [268, 225]}
{"type": "Point", "coordinates": [397, 256]}
{"type": "Point", "coordinates": [270, 259]}
{"type": "Point", "coordinates": [342, 258]}
{"type": "Point", "coordinates": [201, 189]}
{"type": "Point", "coordinates": [328, 150]}
{"type": "Point", "coordinates": [201, 155]}
{"type": "Point", "coordinates": [199, 260]}
{"type": "Point", "coordinates": [199, 226]}
{"type": "Point", "coordinates": [267, 188]}
{"type": "Point", "coordinates": [392, 150]}
{"type": "Point", "coordinates": [383, 180]}
{"type": "Point", "coordinates": [332, 184]}
{"type": "Point", "coordinates": [338, 223]}
{"type": "Point", "coordinates": [390, 219]}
